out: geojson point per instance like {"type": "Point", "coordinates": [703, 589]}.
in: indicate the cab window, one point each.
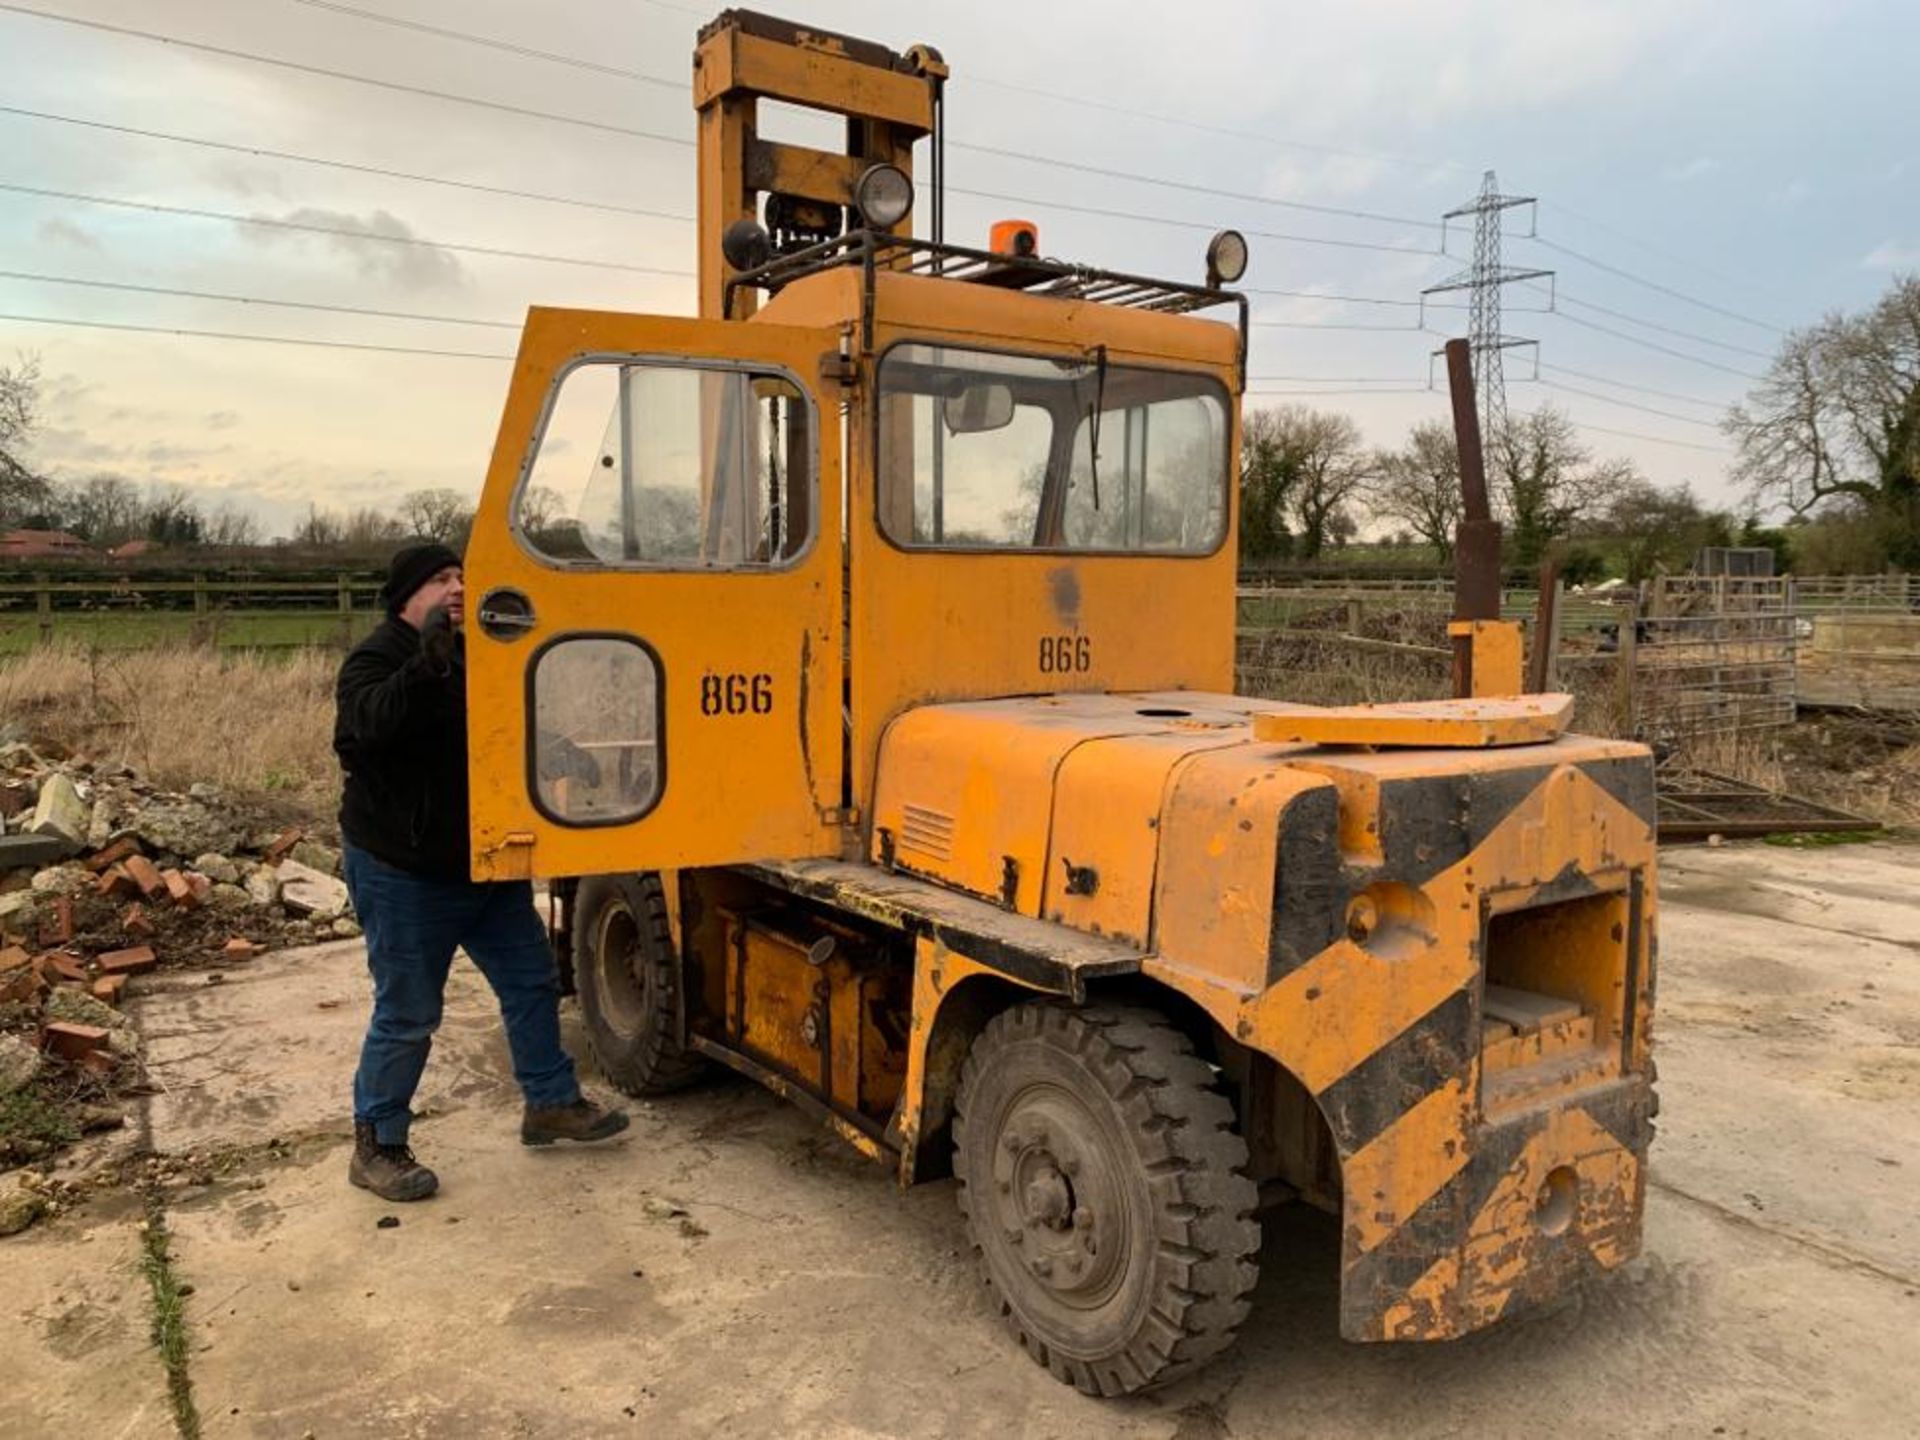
{"type": "Point", "coordinates": [670, 466]}
{"type": "Point", "coordinates": [985, 451]}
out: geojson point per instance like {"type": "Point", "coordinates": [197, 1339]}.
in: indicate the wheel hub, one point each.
{"type": "Point", "coordinates": [1060, 1205]}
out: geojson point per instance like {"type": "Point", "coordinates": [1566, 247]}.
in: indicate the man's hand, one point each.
{"type": "Point", "coordinates": [437, 641]}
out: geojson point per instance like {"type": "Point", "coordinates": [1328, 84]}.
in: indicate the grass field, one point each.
{"type": "Point", "coordinates": [124, 630]}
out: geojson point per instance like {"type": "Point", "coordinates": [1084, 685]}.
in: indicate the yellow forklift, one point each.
{"type": "Point", "coordinates": [856, 661]}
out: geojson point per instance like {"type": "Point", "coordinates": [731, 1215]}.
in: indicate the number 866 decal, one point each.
{"type": "Point", "coordinates": [736, 694]}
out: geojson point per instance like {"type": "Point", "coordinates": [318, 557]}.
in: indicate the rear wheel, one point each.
{"type": "Point", "coordinates": [1106, 1192]}
{"type": "Point", "coordinates": [629, 984]}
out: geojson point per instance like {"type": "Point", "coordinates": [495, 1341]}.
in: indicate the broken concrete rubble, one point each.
{"type": "Point", "coordinates": [306, 891]}
{"type": "Point", "coordinates": [61, 812]}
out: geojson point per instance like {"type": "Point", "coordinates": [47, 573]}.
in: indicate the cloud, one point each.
{"type": "Point", "coordinates": [1891, 256]}
{"type": "Point", "coordinates": [402, 258]}
{"type": "Point", "coordinates": [223, 419]}
{"type": "Point", "coordinates": [1693, 169]}
{"type": "Point", "coordinates": [59, 231]}
{"type": "Point", "coordinates": [1789, 194]}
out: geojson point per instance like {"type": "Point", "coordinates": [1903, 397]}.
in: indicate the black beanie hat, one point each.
{"type": "Point", "coordinates": [411, 568]}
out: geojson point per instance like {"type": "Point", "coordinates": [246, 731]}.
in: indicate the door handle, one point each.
{"type": "Point", "coordinates": [505, 614]}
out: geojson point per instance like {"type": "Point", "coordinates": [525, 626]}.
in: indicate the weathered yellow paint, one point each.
{"type": "Point", "coordinates": [1426, 724]}
{"type": "Point", "coordinates": [1406, 1166]}
{"type": "Point", "coordinates": [1471, 1287]}
{"type": "Point", "coordinates": [1499, 657]}
{"type": "Point", "coordinates": [1217, 853]}
{"type": "Point", "coordinates": [736, 787]}
{"type": "Point", "coordinates": [1108, 819]}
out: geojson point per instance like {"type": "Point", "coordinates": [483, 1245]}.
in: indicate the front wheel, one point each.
{"type": "Point", "coordinates": [1106, 1193]}
{"type": "Point", "coordinates": [629, 984]}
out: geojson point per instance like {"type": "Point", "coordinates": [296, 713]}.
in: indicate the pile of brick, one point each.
{"type": "Point", "coordinates": [103, 876]}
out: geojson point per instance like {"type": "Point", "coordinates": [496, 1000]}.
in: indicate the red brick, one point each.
{"type": "Point", "coordinates": [14, 798]}
{"type": "Point", "coordinates": [135, 961]}
{"type": "Point", "coordinates": [102, 1062]}
{"type": "Point", "coordinates": [72, 1042]}
{"type": "Point", "coordinates": [63, 965]}
{"type": "Point", "coordinates": [117, 881]}
{"type": "Point", "coordinates": [110, 988]}
{"type": "Point", "coordinates": [113, 854]}
{"type": "Point", "coordinates": [178, 890]}
{"type": "Point", "coordinates": [145, 876]}
{"type": "Point", "coordinates": [202, 886]}
{"type": "Point", "coordinates": [282, 843]}
{"type": "Point", "coordinates": [241, 948]}
{"type": "Point", "coordinates": [13, 958]}
{"type": "Point", "coordinates": [57, 928]}
{"type": "Point", "coordinates": [135, 921]}
{"type": "Point", "coordinates": [20, 985]}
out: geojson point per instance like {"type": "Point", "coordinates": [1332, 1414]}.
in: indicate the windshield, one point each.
{"type": "Point", "coordinates": [1014, 452]}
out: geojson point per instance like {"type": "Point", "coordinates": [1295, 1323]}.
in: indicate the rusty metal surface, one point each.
{"type": "Point", "coordinates": [1696, 804]}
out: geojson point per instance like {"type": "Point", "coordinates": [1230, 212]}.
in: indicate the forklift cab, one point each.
{"type": "Point", "coordinates": [714, 558]}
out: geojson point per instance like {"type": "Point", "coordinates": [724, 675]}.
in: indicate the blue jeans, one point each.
{"type": "Point", "coordinates": [413, 924]}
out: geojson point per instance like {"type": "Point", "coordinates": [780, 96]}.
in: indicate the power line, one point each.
{"type": "Point", "coordinates": [232, 53]}
{"type": "Point", "coordinates": [1111, 214]}
{"type": "Point", "coordinates": [1655, 439]}
{"type": "Point", "coordinates": [1627, 404]}
{"type": "Point", "coordinates": [1651, 345]}
{"type": "Point", "coordinates": [343, 232]}
{"type": "Point", "coordinates": [1667, 329]}
{"type": "Point", "coordinates": [229, 298]}
{"type": "Point", "coordinates": [506, 46]}
{"type": "Point", "coordinates": [1334, 325]}
{"type": "Point", "coordinates": [1667, 290]}
{"type": "Point", "coordinates": [261, 339]}
{"type": "Point", "coordinates": [1336, 379]}
{"type": "Point", "coordinates": [1182, 185]}
{"type": "Point", "coordinates": [229, 53]}
{"type": "Point", "coordinates": [1667, 255]}
{"type": "Point", "coordinates": [1627, 385]}
{"type": "Point", "coordinates": [1410, 390]}
{"type": "Point", "coordinates": [265, 154]}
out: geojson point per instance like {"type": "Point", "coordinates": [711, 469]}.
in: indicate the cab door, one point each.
{"type": "Point", "coordinates": [653, 617]}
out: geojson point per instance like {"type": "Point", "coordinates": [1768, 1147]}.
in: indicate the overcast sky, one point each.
{"type": "Point", "coordinates": [1747, 162]}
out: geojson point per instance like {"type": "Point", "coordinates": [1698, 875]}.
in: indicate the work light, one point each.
{"type": "Point", "coordinates": [1226, 258]}
{"type": "Point", "coordinates": [883, 194]}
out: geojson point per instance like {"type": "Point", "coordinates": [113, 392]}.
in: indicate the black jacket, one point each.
{"type": "Point", "coordinates": [401, 734]}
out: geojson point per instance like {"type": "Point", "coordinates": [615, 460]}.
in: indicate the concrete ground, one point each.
{"type": "Point", "coordinates": [729, 1269]}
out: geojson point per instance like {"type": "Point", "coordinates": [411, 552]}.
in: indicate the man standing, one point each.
{"type": "Point", "coordinates": [401, 735]}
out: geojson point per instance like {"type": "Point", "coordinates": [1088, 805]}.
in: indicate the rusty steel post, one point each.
{"type": "Point", "coordinates": [1476, 549]}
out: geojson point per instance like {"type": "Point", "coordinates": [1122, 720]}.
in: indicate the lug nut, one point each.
{"type": "Point", "coordinates": [1082, 1218]}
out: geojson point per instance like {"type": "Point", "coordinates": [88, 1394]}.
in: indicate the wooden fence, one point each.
{"type": "Point", "coordinates": [130, 613]}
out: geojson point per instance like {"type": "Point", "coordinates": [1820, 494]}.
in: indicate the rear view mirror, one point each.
{"type": "Point", "coordinates": [979, 407]}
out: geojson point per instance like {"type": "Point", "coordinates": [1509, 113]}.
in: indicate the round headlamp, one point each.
{"type": "Point", "coordinates": [1226, 258]}
{"type": "Point", "coordinates": [883, 195]}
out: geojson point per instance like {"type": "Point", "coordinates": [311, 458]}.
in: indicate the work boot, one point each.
{"type": "Point", "coordinates": [389, 1171]}
{"type": "Point", "coordinates": [582, 1120]}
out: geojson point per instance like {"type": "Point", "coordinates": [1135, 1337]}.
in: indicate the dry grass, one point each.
{"type": "Point", "coordinates": [250, 721]}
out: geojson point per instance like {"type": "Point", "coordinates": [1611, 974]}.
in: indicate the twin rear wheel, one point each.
{"type": "Point", "coordinates": [1101, 1177]}
{"type": "Point", "coordinates": [1106, 1191]}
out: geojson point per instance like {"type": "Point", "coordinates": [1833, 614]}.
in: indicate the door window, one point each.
{"type": "Point", "coordinates": [671, 466]}
{"type": "Point", "coordinates": [596, 730]}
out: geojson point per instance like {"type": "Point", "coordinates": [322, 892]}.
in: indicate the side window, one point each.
{"type": "Point", "coordinates": [596, 730]}
{"type": "Point", "coordinates": [674, 467]}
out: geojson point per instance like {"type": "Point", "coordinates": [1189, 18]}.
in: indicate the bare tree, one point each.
{"type": "Point", "coordinates": [232, 528]}
{"type": "Point", "coordinates": [1838, 418]}
{"type": "Point", "coordinates": [1548, 481]}
{"type": "Point", "coordinates": [322, 529]}
{"type": "Point", "coordinates": [106, 509]}
{"type": "Point", "coordinates": [442, 515]}
{"type": "Point", "coordinates": [1299, 466]}
{"type": "Point", "coordinates": [1418, 485]}
{"type": "Point", "coordinates": [170, 516]}
{"type": "Point", "coordinates": [368, 529]}
{"type": "Point", "coordinates": [22, 491]}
